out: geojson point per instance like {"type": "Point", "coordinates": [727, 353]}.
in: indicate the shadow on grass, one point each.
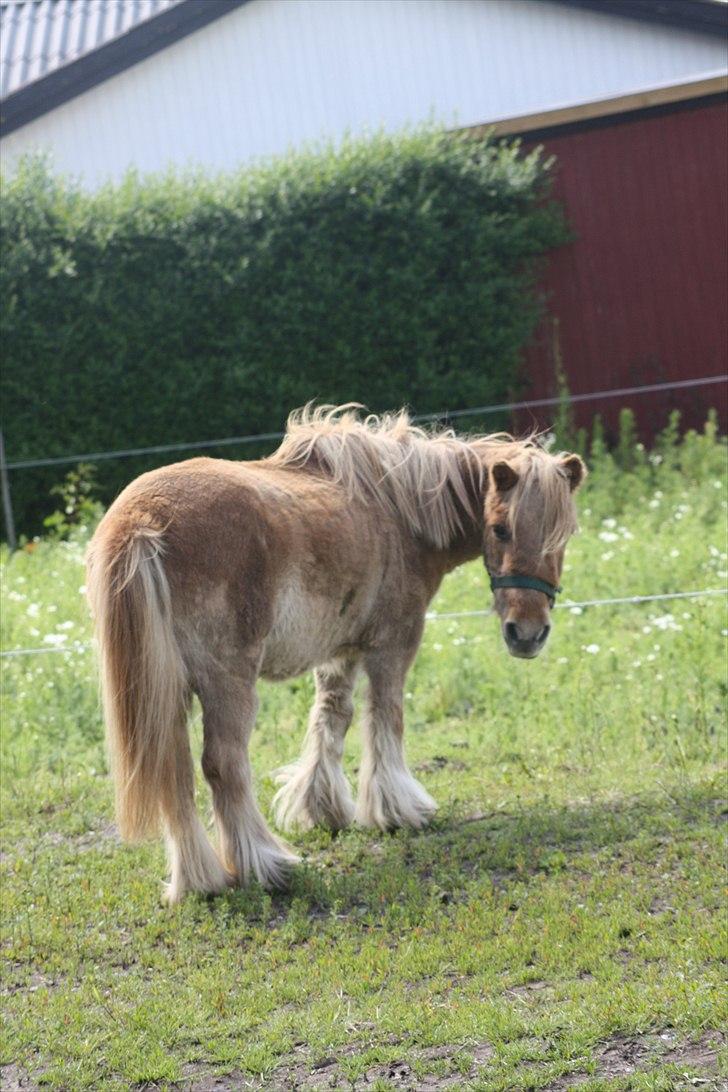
{"type": "Point", "coordinates": [362, 871]}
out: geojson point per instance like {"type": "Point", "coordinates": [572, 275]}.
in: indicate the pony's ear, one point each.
{"type": "Point", "coordinates": [573, 467]}
{"type": "Point", "coordinates": [504, 477]}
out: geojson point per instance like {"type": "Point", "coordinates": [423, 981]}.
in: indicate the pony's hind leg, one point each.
{"type": "Point", "coordinates": [247, 846]}
{"type": "Point", "coordinates": [389, 796]}
{"type": "Point", "coordinates": [314, 789]}
{"type": "Point", "coordinates": [194, 866]}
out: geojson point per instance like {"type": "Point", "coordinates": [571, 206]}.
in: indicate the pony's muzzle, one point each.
{"type": "Point", "coordinates": [524, 639]}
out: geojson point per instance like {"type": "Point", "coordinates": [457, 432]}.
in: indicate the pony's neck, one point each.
{"type": "Point", "coordinates": [466, 543]}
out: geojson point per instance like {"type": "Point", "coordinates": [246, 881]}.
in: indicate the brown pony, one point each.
{"type": "Point", "coordinates": [206, 574]}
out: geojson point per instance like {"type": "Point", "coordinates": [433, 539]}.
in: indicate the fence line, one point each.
{"type": "Point", "coordinates": [230, 441]}
{"type": "Point", "coordinates": [435, 616]}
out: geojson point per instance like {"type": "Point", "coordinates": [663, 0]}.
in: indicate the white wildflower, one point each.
{"type": "Point", "coordinates": [54, 639]}
{"type": "Point", "coordinates": [609, 522]}
{"type": "Point", "coordinates": [33, 610]}
{"type": "Point", "coordinates": [608, 536]}
{"type": "Point", "coordinates": [65, 625]}
{"type": "Point", "coordinates": [576, 610]}
{"type": "Point", "coordinates": [591, 649]}
{"type": "Point", "coordinates": [666, 621]}
{"type": "Point", "coordinates": [607, 555]}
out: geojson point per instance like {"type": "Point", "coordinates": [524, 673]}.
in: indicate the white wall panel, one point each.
{"type": "Point", "coordinates": [278, 73]}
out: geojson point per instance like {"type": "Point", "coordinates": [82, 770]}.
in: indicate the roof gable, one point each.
{"type": "Point", "coordinates": [40, 36]}
{"type": "Point", "coordinates": [53, 50]}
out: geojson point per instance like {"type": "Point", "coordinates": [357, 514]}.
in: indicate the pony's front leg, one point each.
{"type": "Point", "coordinates": [314, 789]}
{"type": "Point", "coordinates": [389, 796]}
{"type": "Point", "coordinates": [247, 846]}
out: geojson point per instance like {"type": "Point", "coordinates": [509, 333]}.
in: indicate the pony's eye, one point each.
{"type": "Point", "coordinates": [501, 532]}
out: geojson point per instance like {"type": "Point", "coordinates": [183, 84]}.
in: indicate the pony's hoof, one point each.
{"type": "Point", "coordinates": [173, 894]}
{"type": "Point", "coordinates": [276, 873]}
{"type": "Point", "coordinates": [404, 804]}
{"type": "Point", "coordinates": [310, 798]}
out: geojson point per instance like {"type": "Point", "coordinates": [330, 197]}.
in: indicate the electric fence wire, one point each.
{"type": "Point", "coordinates": [445, 415]}
{"type": "Point", "coordinates": [437, 616]}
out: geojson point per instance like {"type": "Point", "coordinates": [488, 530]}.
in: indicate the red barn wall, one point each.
{"type": "Point", "coordinates": [640, 294]}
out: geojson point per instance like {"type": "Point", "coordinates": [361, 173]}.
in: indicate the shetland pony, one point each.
{"type": "Point", "coordinates": [206, 574]}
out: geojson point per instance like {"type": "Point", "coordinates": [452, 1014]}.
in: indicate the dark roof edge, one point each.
{"type": "Point", "coordinates": [701, 16]}
{"type": "Point", "coordinates": [583, 115]}
{"type": "Point", "coordinates": [623, 117]}
{"type": "Point", "coordinates": [109, 60]}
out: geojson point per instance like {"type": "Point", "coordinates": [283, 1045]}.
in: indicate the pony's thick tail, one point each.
{"type": "Point", "coordinates": [144, 688]}
{"type": "Point", "coordinates": [146, 697]}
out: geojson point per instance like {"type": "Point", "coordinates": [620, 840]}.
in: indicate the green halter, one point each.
{"type": "Point", "coordinates": [513, 580]}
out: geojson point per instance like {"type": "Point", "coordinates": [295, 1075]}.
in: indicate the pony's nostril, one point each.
{"type": "Point", "coordinates": [514, 636]}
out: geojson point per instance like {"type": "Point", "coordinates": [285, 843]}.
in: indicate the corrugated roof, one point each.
{"type": "Point", "coordinates": [38, 37]}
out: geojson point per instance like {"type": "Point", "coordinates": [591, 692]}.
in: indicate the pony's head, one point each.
{"type": "Point", "coordinates": [529, 518]}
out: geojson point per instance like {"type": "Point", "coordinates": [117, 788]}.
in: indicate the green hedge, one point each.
{"type": "Point", "coordinates": [395, 270]}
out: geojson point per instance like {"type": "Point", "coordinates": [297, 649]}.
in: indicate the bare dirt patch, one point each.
{"type": "Point", "coordinates": [619, 1056]}
{"type": "Point", "coordinates": [327, 1073]}
{"type": "Point", "coordinates": [439, 762]}
{"type": "Point", "coordinates": [623, 1055]}
{"type": "Point", "coordinates": [97, 837]}
{"type": "Point", "coordinates": [13, 1079]}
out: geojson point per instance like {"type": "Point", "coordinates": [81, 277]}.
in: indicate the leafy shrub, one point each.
{"type": "Point", "coordinates": [396, 270]}
{"type": "Point", "coordinates": [78, 507]}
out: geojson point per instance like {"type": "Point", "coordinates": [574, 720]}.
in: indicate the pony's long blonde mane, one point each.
{"type": "Point", "coordinates": [432, 479]}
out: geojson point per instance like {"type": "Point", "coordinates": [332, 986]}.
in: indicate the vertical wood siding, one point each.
{"type": "Point", "coordinates": [640, 294]}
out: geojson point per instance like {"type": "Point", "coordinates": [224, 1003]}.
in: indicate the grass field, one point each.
{"type": "Point", "coordinates": [561, 924]}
